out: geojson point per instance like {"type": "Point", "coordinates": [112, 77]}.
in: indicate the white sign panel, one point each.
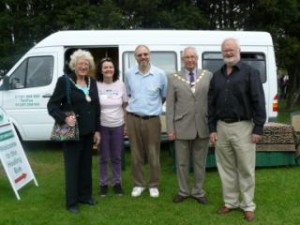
{"type": "Point", "coordinates": [13, 157]}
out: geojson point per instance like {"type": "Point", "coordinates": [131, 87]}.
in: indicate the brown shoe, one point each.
{"type": "Point", "coordinates": [179, 198]}
{"type": "Point", "coordinates": [202, 200]}
{"type": "Point", "coordinates": [224, 210]}
{"type": "Point", "coordinates": [249, 215]}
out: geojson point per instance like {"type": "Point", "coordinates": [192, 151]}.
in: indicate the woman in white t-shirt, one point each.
{"type": "Point", "coordinates": [113, 100]}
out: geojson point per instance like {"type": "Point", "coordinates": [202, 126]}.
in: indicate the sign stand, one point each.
{"type": "Point", "coordinates": [13, 157]}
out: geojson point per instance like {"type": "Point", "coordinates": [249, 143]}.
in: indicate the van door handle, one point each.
{"type": "Point", "coordinates": [47, 95]}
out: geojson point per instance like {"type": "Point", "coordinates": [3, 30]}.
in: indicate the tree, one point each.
{"type": "Point", "coordinates": [159, 14]}
{"type": "Point", "coordinates": [225, 14]}
{"type": "Point", "coordinates": [285, 30]}
{"type": "Point", "coordinates": [24, 23]}
{"type": "Point", "coordinates": [103, 15]}
{"type": "Point", "coordinates": [9, 25]}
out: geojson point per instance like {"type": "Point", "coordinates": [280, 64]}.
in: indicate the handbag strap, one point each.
{"type": "Point", "coordinates": [68, 89]}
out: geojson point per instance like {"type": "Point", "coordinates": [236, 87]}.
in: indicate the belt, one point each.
{"type": "Point", "coordinates": [231, 120]}
{"type": "Point", "coordinates": [142, 117]}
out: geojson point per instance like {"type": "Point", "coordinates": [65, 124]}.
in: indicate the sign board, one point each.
{"type": "Point", "coordinates": [13, 157]}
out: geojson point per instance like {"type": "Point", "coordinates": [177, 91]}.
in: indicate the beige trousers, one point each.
{"type": "Point", "coordinates": [235, 157]}
{"type": "Point", "coordinates": [144, 139]}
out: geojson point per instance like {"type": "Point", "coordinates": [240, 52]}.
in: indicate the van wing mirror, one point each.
{"type": "Point", "coordinates": [5, 83]}
{"type": "Point", "coordinates": [9, 84]}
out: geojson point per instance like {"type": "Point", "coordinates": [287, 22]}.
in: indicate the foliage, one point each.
{"type": "Point", "coordinates": [285, 30]}
{"type": "Point", "coordinates": [226, 15]}
{"type": "Point", "coordinates": [159, 14]}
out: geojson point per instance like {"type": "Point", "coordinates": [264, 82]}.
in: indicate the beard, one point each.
{"type": "Point", "coordinates": [230, 60]}
{"type": "Point", "coordinates": [144, 62]}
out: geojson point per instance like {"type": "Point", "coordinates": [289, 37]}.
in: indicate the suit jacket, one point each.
{"type": "Point", "coordinates": [186, 111]}
{"type": "Point", "coordinates": [87, 113]}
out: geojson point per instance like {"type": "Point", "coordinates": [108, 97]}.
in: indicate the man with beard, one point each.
{"type": "Point", "coordinates": [236, 116]}
{"type": "Point", "coordinates": [147, 87]}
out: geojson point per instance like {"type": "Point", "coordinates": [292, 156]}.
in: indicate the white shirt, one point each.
{"type": "Point", "coordinates": [112, 96]}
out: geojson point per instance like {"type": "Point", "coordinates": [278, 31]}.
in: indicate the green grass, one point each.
{"type": "Point", "coordinates": [277, 196]}
{"type": "Point", "coordinates": [284, 115]}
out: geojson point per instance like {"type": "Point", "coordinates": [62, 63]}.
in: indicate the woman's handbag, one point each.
{"type": "Point", "coordinates": [64, 132]}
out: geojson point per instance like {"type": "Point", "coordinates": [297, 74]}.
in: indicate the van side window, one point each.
{"type": "Point", "coordinates": [213, 61]}
{"type": "Point", "coordinates": [166, 61]}
{"type": "Point", "coordinates": [33, 72]}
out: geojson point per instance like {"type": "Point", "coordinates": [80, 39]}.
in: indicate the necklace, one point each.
{"type": "Point", "coordinates": [188, 82]}
{"type": "Point", "coordinates": [85, 89]}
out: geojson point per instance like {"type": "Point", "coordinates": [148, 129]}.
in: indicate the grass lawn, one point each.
{"type": "Point", "coordinates": [277, 197]}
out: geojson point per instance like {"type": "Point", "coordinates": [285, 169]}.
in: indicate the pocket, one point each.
{"type": "Point", "coordinates": [152, 91]}
{"type": "Point", "coordinates": [178, 117]}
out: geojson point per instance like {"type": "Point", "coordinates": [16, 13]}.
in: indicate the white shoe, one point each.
{"type": "Point", "coordinates": [154, 193]}
{"type": "Point", "coordinates": [137, 191]}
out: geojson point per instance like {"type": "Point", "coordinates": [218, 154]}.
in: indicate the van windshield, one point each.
{"type": "Point", "coordinates": [35, 71]}
{"type": "Point", "coordinates": [213, 61]}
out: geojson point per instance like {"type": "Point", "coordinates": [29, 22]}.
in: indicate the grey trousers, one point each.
{"type": "Point", "coordinates": [184, 148]}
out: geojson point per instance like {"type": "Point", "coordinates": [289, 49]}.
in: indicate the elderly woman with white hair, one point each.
{"type": "Point", "coordinates": [85, 103]}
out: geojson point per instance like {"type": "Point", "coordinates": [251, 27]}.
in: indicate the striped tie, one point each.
{"type": "Point", "coordinates": [192, 78]}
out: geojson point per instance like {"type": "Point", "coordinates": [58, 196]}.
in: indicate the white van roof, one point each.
{"type": "Point", "coordinates": [153, 37]}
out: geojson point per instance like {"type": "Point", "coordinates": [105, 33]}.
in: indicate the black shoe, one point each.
{"type": "Point", "coordinates": [103, 190]}
{"type": "Point", "coordinates": [90, 202]}
{"type": "Point", "coordinates": [179, 198]}
{"type": "Point", "coordinates": [118, 189]}
{"type": "Point", "coordinates": [202, 200]}
{"type": "Point", "coordinates": [73, 209]}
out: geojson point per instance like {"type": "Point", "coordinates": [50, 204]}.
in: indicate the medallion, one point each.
{"type": "Point", "coordinates": [88, 98]}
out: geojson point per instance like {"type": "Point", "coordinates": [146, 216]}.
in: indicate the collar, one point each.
{"type": "Point", "coordinates": [137, 72]}
{"type": "Point", "coordinates": [187, 71]}
{"type": "Point", "coordinates": [237, 66]}
{"type": "Point", "coordinates": [73, 77]}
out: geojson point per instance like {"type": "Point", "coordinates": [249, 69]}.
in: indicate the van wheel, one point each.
{"type": "Point", "coordinates": [23, 143]}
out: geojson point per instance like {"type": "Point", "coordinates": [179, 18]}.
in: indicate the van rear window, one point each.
{"type": "Point", "coordinates": [213, 61]}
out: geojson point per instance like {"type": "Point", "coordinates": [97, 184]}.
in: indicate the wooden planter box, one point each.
{"type": "Point", "coordinates": [278, 147]}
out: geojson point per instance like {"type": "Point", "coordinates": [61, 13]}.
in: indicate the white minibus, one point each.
{"type": "Point", "coordinates": [27, 87]}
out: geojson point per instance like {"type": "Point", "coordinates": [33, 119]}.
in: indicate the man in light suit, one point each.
{"type": "Point", "coordinates": [187, 124]}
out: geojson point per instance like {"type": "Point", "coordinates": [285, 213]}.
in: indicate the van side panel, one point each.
{"type": "Point", "coordinates": [25, 101]}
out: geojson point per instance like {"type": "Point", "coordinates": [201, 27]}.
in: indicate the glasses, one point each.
{"type": "Point", "coordinates": [190, 57]}
{"type": "Point", "coordinates": [142, 54]}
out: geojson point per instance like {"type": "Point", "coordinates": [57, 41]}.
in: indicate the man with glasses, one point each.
{"type": "Point", "coordinates": [146, 87]}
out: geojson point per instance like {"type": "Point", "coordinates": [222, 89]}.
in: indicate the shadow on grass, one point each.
{"type": "Point", "coordinates": [41, 145]}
